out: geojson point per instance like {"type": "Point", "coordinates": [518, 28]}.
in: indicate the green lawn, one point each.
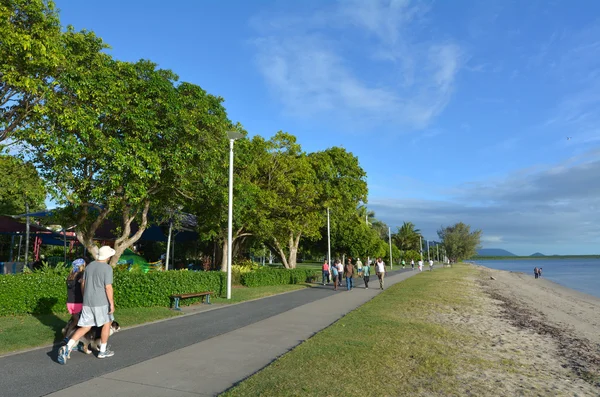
{"type": "Point", "coordinates": [27, 331]}
{"type": "Point", "coordinates": [23, 332]}
{"type": "Point", "coordinates": [388, 347]}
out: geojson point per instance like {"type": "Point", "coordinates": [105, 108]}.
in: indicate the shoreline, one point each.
{"type": "Point", "coordinates": [565, 321]}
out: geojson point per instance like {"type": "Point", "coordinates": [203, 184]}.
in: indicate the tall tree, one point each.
{"type": "Point", "coordinates": [407, 237]}
{"type": "Point", "coordinates": [289, 196]}
{"type": "Point", "coordinates": [30, 57]}
{"type": "Point", "coordinates": [118, 138]}
{"type": "Point", "coordinates": [459, 242]}
{"type": "Point", "coordinates": [20, 184]}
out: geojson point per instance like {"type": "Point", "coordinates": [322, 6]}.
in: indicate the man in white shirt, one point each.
{"type": "Point", "coordinates": [380, 271]}
{"type": "Point", "coordinates": [420, 265]}
{"type": "Point", "coordinates": [430, 264]}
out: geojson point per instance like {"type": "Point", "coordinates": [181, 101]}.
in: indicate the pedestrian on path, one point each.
{"type": "Point", "coordinates": [359, 267]}
{"type": "Point", "coordinates": [412, 264]}
{"type": "Point", "coordinates": [420, 265]}
{"type": "Point", "coordinates": [98, 305]}
{"type": "Point", "coordinates": [74, 296]}
{"type": "Point", "coordinates": [325, 270]}
{"type": "Point", "coordinates": [380, 271]}
{"type": "Point", "coordinates": [349, 273]}
{"type": "Point", "coordinates": [430, 264]}
{"type": "Point", "coordinates": [334, 276]}
{"type": "Point", "coordinates": [340, 268]}
{"type": "Point", "coordinates": [366, 273]}
{"type": "Point", "coordinates": [403, 263]}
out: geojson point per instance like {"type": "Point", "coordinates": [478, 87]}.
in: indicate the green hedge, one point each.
{"type": "Point", "coordinates": [32, 293]}
{"type": "Point", "coordinates": [47, 293]}
{"type": "Point", "coordinates": [155, 288]}
{"type": "Point", "coordinates": [267, 276]}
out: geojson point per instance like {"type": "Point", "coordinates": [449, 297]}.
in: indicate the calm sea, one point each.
{"type": "Point", "coordinates": [579, 274]}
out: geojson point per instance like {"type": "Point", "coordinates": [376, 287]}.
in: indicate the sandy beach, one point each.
{"type": "Point", "coordinates": [549, 334]}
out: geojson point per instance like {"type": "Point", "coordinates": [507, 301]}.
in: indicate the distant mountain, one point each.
{"type": "Point", "coordinates": [537, 254]}
{"type": "Point", "coordinates": [494, 252]}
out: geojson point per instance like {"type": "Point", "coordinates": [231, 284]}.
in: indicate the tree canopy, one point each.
{"type": "Point", "coordinates": [459, 242]}
{"type": "Point", "coordinates": [20, 184]}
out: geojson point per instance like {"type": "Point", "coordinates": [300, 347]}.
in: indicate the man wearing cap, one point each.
{"type": "Point", "coordinates": [98, 304]}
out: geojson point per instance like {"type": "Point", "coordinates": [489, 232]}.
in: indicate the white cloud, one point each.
{"type": "Point", "coordinates": [358, 62]}
{"type": "Point", "coordinates": [554, 208]}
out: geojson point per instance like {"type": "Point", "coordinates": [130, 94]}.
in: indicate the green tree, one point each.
{"type": "Point", "coordinates": [118, 138]}
{"type": "Point", "coordinates": [407, 237]}
{"type": "Point", "coordinates": [30, 56]}
{"type": "Point", "coordinates": [459, 242]}
{"type": "Point", "coordinates": [20, 184]}
{"type": "Point", "coordinates": [289, 196]}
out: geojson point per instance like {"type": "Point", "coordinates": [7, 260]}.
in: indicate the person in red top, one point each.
{"type": "Point", "coordinates": [325, 272]}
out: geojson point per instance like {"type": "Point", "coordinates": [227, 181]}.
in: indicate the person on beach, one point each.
{"type": "Point", "coordinates": [98, 305]}
{"type": "Point", "coordinates": [430, 264]}
{"type": "Point", "coordinates": [340, 268]}
{"type": "Point", "coordinates": [334, 276]}
{"type": "Point", "coordinates": [349, 273]}
{"type": "Point", "coordinates": [74, 295]}
{"type": "Point", "coordinates": [380, 271]}
{"type": "Point", "coordinates": [412, 264]}
{"type": "Point", "coordinates": [536, 272]}
{"type": "Point", "coordinates": [325, 269]}
{"type": "Point", "coordinates": [366, 273]}
{"type": "Point", "coordinates": [359, 267]}
{"type": "Point", "coordinates": [540, 272]}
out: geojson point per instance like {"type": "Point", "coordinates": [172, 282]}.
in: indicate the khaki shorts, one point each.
{"type": "Point", "coordinates": [94, 316]}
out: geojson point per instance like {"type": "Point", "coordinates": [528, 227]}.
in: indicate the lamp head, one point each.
{"type": "Point", "coordinates": [234, 135]}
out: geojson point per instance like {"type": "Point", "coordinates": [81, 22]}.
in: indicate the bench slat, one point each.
{"type": "Point", "coordinates": [193, 295]}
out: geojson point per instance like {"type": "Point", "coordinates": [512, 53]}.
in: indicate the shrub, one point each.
{"type": "Point", "coordinates": [38, 293]}
{"type": "Point", "coordinates": [267, 276]}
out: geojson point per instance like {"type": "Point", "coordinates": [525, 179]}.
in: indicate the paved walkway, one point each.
{"type": "Point", "coordinates": [197, 355]}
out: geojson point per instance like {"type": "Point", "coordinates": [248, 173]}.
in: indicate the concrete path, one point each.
{"type": "Point", "coordinates": [199, 355]}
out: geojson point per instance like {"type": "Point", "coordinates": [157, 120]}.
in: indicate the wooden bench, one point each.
{"type": "Point", "coordinates": [177, 297]}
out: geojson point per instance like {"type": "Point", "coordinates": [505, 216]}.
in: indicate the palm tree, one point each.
{"type": "Point", "coordinates": [407, 237]}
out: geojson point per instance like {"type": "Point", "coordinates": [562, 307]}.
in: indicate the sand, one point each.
{"type": "Point", "coordinates": [528, 337]}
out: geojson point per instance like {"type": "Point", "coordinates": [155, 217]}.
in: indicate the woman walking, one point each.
{"type": "Point", "coordinates": [380, 271]}
{"type": "Point", "coordinates": [325, 269]}
{"type": "Point", "coordinates": [340, 268]}
{"type": "Point", "coordinates": [74, 295]}
{"type": "Point", "coordinates": [366, 272]}
{"type": "Point", "coordinates": [334, 276]}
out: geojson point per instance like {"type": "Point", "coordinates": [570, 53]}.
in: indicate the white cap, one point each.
{"type": "Point", "coordinates": [105, 252]}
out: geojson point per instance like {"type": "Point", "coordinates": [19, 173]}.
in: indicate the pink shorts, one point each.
{"type": "Point", "coordinates": [74, 308]}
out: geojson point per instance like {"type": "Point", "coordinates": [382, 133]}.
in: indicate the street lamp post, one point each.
{"type": "Point", "coordinates": [390, 237]}
{"type": "Point", "coordinates": [232, 135]}
{"type": "Point", "coordinates": [328, 240]}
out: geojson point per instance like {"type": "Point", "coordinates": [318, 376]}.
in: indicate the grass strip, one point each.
{"type": "Point", "coordinates": [391, 346]}
{"type": "Point", "coordinates": [29, 331]}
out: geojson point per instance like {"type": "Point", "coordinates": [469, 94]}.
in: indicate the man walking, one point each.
{"type": "Point", "coordinates": [349, 272]}
{"type": "Point", "coordinates": [380, 271]}
{"type": "Point", "coordinates": [366, 273]}
{"type": "Point", "coordinates": [359, 267]}
{"type": "Point", "coordinates": [430, 264]}
{"type": "Point", "coordinates": [98, 304]}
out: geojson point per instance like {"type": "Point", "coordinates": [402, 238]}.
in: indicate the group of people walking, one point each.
{"type": "Point", "coordinates": [90, 302]}
{"type": "Point", "coordinates": [420, 265]}
{"type": "Point", "coordinates": [337, 271]}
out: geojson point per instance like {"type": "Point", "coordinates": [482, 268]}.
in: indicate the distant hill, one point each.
{"type": "Point", "coordinates": [494, 252]}
{"type": "Point", "coordinates": [537, 254]}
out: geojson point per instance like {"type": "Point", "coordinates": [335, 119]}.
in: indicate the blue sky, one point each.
{"type": "Point", "coordinates": [457, 110]}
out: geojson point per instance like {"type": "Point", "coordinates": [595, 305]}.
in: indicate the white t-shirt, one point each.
{"type": "Point", "coordinates": [340, 268]}
{"type": "Point", "coordinates": [380, 267]}
{"type": "Point", "coordinates": [420, 263]}
{"type": "Point", "coordinates": [430, 262]}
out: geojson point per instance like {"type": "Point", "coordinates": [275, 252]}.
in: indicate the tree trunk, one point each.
{"type": "Point", "coordinates": [86, 235]}
{"type": "Point", "coordinates": [224, 257]}
{"type": "Point", "coordinates": [126, 241]}
{"type": "Point", "coordinates": [281, 252]}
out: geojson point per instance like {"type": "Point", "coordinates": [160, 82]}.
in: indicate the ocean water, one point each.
{"type": "Point", "coordinates": [579, 274]}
